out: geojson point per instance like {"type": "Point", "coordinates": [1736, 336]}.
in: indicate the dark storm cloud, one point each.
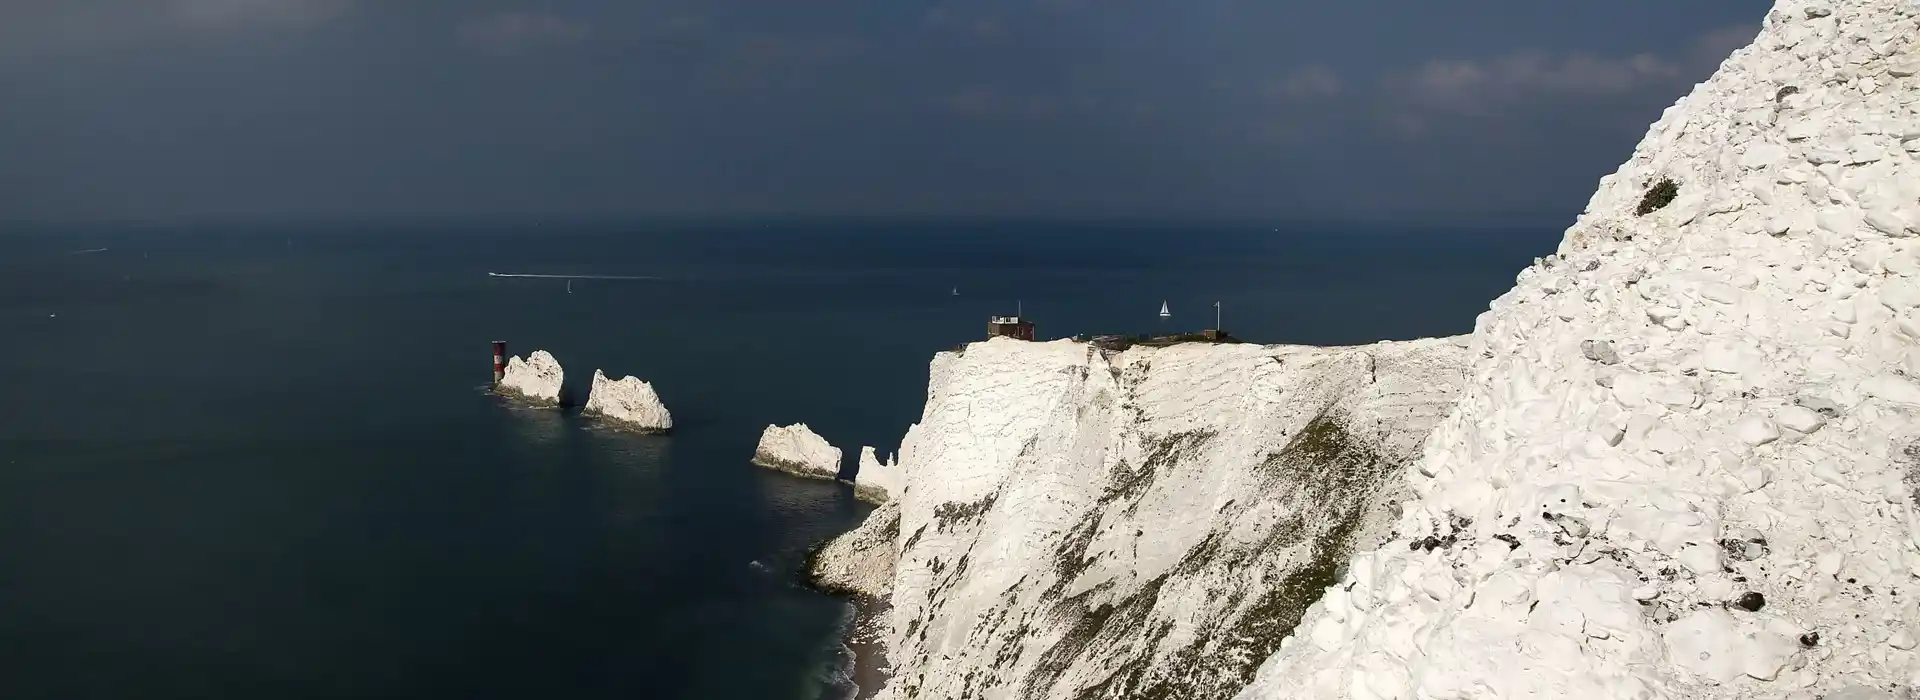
{"type": "Point", "coordinates": [1218, 108]}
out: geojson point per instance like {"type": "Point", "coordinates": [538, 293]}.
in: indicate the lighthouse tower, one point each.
{"type": "Point", "coordinates": [499, 360]}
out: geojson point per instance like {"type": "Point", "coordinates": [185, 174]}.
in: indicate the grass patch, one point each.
{"type": "Point", "coordinates": [1332, 477]}
{"type": "Point", "coordinates": [1091, 624]}
{"type": "Point", "coordinates": [947, 515]}
{"type": "Point", "coordinates": [915, 539]}
{"type": "Point", "coordinates": [1335, 477]}
{"type": "Point", "coordinates": [1329, 479]}
{"type": "Point", "coordinates": [1658, 196]}
{"type": "Point", "coordinates": [1161, 452]}
{"type": "Point", "coordinates": [1070, 558]}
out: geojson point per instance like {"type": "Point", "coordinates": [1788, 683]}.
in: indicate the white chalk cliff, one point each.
{"type": "Point", "coordinates": [1684, 467]}
{"type": "Point", "coordinates": [536, 378]}
{"type": "Point", "coordinates": [1683, 464]}
{"type": "Point", "coordinates": [797, 450]}
{"type": "Point", "coordinates": [629, 402]}
{"type": "Point", "coordinates": [876, 481]}
{"type": "Point", "coordinates": [1076, 522]}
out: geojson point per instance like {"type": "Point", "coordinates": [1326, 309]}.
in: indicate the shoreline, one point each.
{"type": "Point", "coordinates": [870, 669]}
{"type": "Point", "coordinates": [795, 468]}
{"type": "Point", "coordinates": [525, 399]}
{"type": "Point", "coordinates": [622, 424]}
{"type": "Point", "coordinates": [862, 636]}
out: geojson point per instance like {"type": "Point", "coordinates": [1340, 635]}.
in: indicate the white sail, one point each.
{"type": "Point", "coordinates": [1163, 310]}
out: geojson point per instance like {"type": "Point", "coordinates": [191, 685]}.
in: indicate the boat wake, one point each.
{"type": "Point", "coordinates": [571, 277]}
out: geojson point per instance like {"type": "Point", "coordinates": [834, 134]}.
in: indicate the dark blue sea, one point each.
{"type": "Point", "coordinates": [260, 461]}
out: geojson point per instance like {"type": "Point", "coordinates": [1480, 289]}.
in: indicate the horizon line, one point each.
{"type": "Point", "coordinates": [1496, 220]}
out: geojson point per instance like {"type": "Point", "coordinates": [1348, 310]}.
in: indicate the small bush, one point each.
{"type": "Point", "coordinates": [1659, 195]}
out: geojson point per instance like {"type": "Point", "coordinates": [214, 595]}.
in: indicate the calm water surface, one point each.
{"type": "Point", "coordinates": [260, 462]}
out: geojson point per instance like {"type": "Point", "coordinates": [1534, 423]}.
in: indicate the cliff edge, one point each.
{"type": "Point", "coordinates": [1684, 466]}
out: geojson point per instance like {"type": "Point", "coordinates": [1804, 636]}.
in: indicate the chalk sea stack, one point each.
{"type": "Point", "coordinates": [629, 403]}
{"type": "Point", "coordinates": [536, 379]}
{"type": "Point", "coordinates": [795, 449]}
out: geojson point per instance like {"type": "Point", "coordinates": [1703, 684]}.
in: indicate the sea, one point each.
{"type": "Point", "coordinates": [261, 460]}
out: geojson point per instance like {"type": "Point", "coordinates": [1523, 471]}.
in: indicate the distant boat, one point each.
{"type": "Point", "coordinates": [956, 291]}
{"type": "Point", "coordinates": [569, 286]}
{"type": "Point", "coordinates": [1164, 313]}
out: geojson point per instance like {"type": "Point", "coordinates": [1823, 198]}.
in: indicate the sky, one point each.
{"type": "Point", "coordinates": [1470, 111]}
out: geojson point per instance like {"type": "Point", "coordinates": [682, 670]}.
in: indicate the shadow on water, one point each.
{"type": "Point", "coordinates": [541, 425]}
{"type": "Point", "coordinates": [575, 388]}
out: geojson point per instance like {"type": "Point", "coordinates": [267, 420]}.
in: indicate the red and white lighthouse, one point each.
{"type": "Point", "coordinates": [499, 360]}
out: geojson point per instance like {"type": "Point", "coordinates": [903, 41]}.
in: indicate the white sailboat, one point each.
{"type": "Point", "coordinates": [1164, 313]}
{"type": "Point", "coordinates": [956, 291]}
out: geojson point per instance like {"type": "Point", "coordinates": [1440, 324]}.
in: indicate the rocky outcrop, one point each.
{"type": "Point", "coordinates": [1686, 462]}
{"type": "Point", "coordinates": [1079, 523]}
{"type": "Point", "coordinates": [628, 402]}
{"type": "Point", "coordinates": [860, 563]}
{"type": "Point", "coordinates": [877, 481]}
{"type": "Point", "coordinates": [537, 378]}
{"type": "Point", "coordinates": [795, 449]}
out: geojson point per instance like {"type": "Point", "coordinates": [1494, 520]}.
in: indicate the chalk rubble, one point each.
{"type": "Point", "coordinates": [628, 402]}
{"type": "Point", "coordinates": [860, 562]}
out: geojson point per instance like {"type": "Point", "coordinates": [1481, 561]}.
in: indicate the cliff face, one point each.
{"type": "Point", "coordinates": [1684, 465]}
{"type": "Point", "coordinates": [1078, 525]}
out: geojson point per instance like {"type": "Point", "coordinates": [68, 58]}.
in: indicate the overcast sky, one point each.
{"type": "Point", "coordinates": [1462, 111]}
